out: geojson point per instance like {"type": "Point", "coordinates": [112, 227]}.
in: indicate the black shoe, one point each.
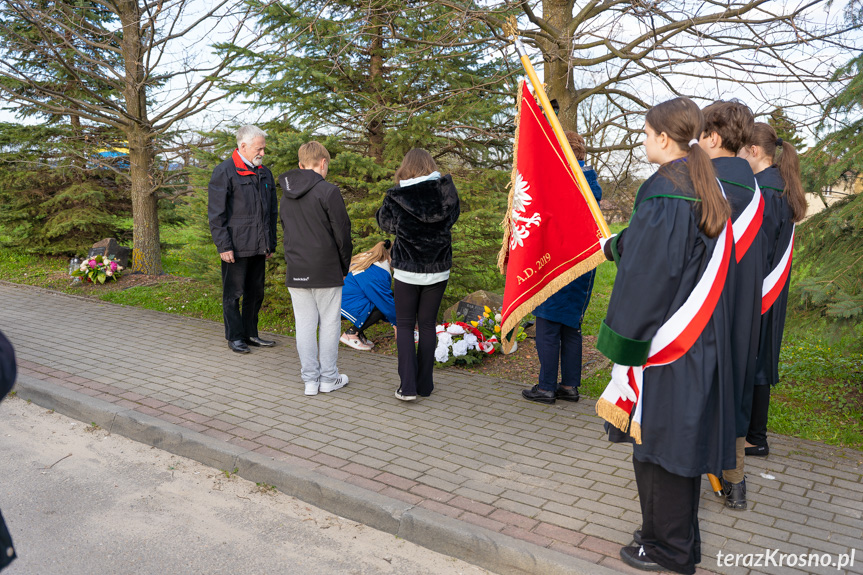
{"type": "Point", "coordinates": [239, 346]}
{"type": "Point", "coordinates": [570, 394]}
{"type": "Point", "coordinates": [735, 494]}
{"type": "Point", "coordinates": [538, 395]}
{"type": "Point", "coordinates": [636, 537]}
{"type": "Point", "coordinates": [634, 556]}
{"type": "Point", "coordinates": [758, 450]}
{"type": "Point", "coordinates": [258, 342]}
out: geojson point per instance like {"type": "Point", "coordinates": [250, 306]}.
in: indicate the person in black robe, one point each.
{"type": "Point", "coordinates": [8, 372]}
{"type": "Point", "coordinates": [687, 425]}
{"type": "Point", "coordinates": [784, 205]}
{"type": "Point", "coordinates": [728, 127]}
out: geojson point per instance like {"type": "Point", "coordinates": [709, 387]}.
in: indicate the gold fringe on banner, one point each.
{"type": "Point", "coordinates": [507, 218]}
{"type": "Point", "coordinates": [635, 432]}
{"type": "Point", "coordinates": [612, 414]}
{"type": "Point", "coordinates": [509, 328]}
{"type": "Point", "coordinates": [618, 418]}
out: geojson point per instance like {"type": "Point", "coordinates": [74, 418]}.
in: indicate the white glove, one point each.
{"type": "Point", "coordinates": [620, 382]}
{"type": "Point", "coordinates": [603, 240]}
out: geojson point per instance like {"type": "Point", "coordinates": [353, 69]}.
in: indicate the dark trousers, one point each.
{"type": "Point", "coordinates": [669, 515]}
{"type": "Point", "coordinates": [375, 316]}
{"type": "Point", "coordinates": [558, 344]}
{"type": "Point", "coordinates": [417, 305]}
{"type": "Point", "coordinates": [758, 421]}
{"type": "Point", "coordinates": [242, 279]}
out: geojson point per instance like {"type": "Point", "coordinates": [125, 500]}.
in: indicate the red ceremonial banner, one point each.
{"type": "Point", "coordinates": [550, 234]}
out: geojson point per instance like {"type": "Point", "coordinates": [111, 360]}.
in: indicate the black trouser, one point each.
{"type": "Point", "coordinates": [417, 305]}
{"type": "Point", "coordinates": [758, 422]}
{"type": "Point", "coordinates": [669, 515]}
{"type": "Point", "coordinates": [243, 278]}
{"type": "Point", "coordinates": [375, 316]}
{"type": "Point", "coordinates": [558, 344]}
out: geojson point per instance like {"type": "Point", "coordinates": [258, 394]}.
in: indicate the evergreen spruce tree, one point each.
{"type": "Point", "coordinates": [383, 76]}
{"type": "Point", "coordinates": [830, 252]}
{"type": "Point", "coordinates": [104, 64]}
{"type": "Point", "coordinates": [373, 79]}
{"type": "Point", "coordinates": [50, 205]}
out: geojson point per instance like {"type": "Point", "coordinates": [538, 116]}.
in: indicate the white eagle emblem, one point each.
{"type": "Point", "coordinates": [520, 224]}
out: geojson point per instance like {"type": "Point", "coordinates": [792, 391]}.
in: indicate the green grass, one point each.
{"type": "Point", "coordinates": [820, 390]}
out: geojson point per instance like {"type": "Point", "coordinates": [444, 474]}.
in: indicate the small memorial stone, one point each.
{"type": "Point", "coordinates": [109, 247]}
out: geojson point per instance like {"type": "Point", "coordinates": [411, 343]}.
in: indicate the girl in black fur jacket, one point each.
{"type": "Point", "coordinates": [420, 211]}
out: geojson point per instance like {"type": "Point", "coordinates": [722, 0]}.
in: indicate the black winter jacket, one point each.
{"type": "Point", "coordinates": [242, 208]}
{"type": "Point", "coordinates": [317, 230]}
{"type": "Point", "coordinates": [421, 217]}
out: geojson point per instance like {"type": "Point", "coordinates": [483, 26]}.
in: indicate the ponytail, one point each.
{"type": "Point", "coordinates": [788, 163]}
{"type": "Point", "coordinates": [683, 122]}
{"type": "Point", "coordinates": [715, 210]}
{"type": "Point", "coordinates": [379, 252]}
{"type": "Point", "coordinates": [789, 169]}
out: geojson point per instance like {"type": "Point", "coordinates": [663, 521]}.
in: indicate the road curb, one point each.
{"type": "Point", "coordinates": [493, 551]}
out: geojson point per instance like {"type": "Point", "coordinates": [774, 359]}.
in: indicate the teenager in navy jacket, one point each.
{"type": "Point", "coordinates": [367, 296]}
{"type": "Point", "coordinates": [558, 320]}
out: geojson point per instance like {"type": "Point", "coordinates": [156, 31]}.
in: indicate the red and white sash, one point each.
{"type": "Point", "coordinates": [778, 277]}
{"type": "Point", "coordinates": [673, 339]}
{"type": "Point", "coordinates": [748, 223]}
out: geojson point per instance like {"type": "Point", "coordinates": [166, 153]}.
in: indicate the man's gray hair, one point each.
{"type": "Point", "coordinates": [248, 133]}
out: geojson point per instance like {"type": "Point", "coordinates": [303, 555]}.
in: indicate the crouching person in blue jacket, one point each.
{"type": "Point", "coordinates": [367, 296]}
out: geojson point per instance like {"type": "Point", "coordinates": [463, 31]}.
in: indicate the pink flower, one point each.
{"type": "Point", "coordinates": [92, 263]}
{"type": "Point", "coordinates": [113, 266]}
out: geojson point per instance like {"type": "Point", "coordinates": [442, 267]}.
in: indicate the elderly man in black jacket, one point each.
{"type": "Point", "coordinates": [243, 210]}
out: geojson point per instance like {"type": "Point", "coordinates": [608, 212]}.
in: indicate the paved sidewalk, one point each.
{"type": "Point", "coordinates": [474, 471]}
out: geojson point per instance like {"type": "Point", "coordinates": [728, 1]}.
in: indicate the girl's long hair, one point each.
{"type": "Point", "coordinates": [682, 121]}
{"type": "Point", "coordinates": [379, 252]}
{"type": "Point", "coordinates": [788, 163]}
{"type": "Point", "coordinates": [416, 163]}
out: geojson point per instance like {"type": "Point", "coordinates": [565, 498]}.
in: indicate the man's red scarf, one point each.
{"type": "Point", "coordinates": [242, 167]}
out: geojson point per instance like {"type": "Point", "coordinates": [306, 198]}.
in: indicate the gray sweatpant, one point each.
{"type": "Point", "coordinates": [314, 308]}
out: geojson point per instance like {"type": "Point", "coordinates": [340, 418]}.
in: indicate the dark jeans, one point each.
{"type": "Point", "coordinates": [558, 343]}
{"type": "Point", "coordinates": [242, 279]}
{"type": "Point", "coordinates": [669, 515]}
{"type": "Point", "coordinates": [417, 305]}
{"type": "Point", "coordinates": [758, 422]}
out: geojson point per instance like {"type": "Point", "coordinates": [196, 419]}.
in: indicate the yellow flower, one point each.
{"type": "Point", "coordinates": [487, 310]}
{"type": "Point", "coordinates": [485, 315]}
{"type": "Point", "coordinates": [474, 323]}
{"type": "Point", "coordinates": [497, 329]}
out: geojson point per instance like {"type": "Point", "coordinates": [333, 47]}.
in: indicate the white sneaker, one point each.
{"type": "Point", "coordinates": [354, 342]}
{"type": "Point", "coordinates": [338, 384]}
{"type": "Point", "coordinates": [312, 387]}
{"type": "Point", "coordinates": [405, 397]}
{"type": "Point", "coordinates": [367, 341]}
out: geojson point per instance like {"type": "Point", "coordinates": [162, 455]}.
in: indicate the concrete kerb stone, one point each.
{"type": "Point", "coordinates": [497, 552]}
{"type": "Point", "coordinates": [494, 551]}
{"type": "Point", "coordinates": [72, 404]}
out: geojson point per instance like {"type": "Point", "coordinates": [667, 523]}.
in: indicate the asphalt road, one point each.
{"type": "Point", "coordinates": [80, 501]}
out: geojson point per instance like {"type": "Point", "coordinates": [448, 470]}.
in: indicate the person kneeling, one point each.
{"type": "Point", "coordinates": [367, 296]}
